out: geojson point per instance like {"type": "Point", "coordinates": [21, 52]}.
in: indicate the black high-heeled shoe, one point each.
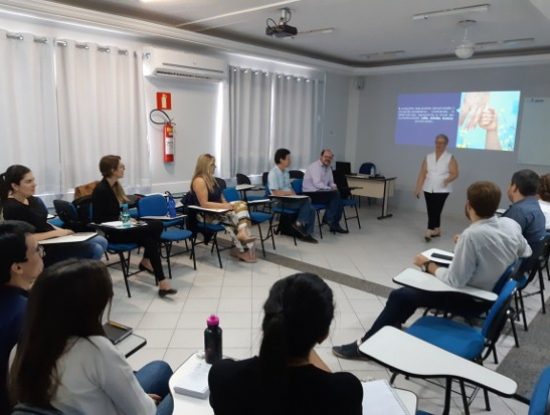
{"type": "Point", "coordinates": [169, 291]}
{"type": "Point", "coordinates": [144, 268]}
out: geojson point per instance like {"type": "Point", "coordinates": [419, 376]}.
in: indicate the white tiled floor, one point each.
{"type": "Point", "coordinates": [174, 326]}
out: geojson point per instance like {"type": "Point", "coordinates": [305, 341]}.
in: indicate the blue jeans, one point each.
{"type": "Point", "coordinates": [153, 378]}
{"type": "Point", "coordinates": [333, 205]}
{"type": "Point", "coordinates": [91, 249]}
{"type": "Point", "coordinates": [306, 213]}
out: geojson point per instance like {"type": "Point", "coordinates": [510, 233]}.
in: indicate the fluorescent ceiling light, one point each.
{"type": "Point", "coordinates": [250, 10]}
{"type": "Point", "coordinates": [450, 12]}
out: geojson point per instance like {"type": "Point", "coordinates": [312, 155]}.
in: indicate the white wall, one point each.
{"type": "Point", "coordinates": [195, 105]}
{"type": "Point", "coordinates": [376, 125]}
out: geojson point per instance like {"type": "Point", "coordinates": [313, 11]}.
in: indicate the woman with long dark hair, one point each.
{"type": "Point", "coordinates": [210, 195]}
{"type": "Point", "coordinates": [64, 361]}
{"type": "Point", "coordinates": [284, 378]}
{"type": "Point", "coordinates": [17, 188]}
{"type": "Point", "coordinates": [106, 200]}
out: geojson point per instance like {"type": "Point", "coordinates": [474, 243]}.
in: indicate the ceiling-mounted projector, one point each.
{"type": "Point", "coordinates": [281, 28]}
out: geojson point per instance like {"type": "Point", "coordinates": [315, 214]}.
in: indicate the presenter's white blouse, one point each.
{"type": "Point", "coordinates": [438, 171]}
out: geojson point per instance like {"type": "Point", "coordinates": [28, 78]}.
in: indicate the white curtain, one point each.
{"type": "Point", "coordinates": [28, 117]}
{"type": "Point", "coordinates": [249, 120]}
{"type": "Point", "coordinates": [101, 111]}
{"type": "Point", "coordinates": [295, 119]}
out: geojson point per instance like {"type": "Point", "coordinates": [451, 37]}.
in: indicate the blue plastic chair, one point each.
{"type": "Point", "coordinates": [297, 187]}
{"type": "Point", "coordinates": [155, 205]}
{"type": "Point", "coordinates": [468, 342]}
{"type": "Point", "coordinates": [231, 194]}
{"type": "Point", "coordinates": [366, 168]}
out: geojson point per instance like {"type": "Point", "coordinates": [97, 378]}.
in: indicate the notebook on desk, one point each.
{"type": "Point", "coordinates": [380, 398]}
{"type": "Point", "coordinates": [193, 378]}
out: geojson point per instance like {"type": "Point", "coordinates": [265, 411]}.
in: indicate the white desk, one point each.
{"type": "Point", "coordinates": [376, 187]}
{"type": "Point", "coordinates": [411, 356]}
{"type": "Point", "coordinates": [186, 405]}
{"type": "Point", "coordinates": [414, 278]}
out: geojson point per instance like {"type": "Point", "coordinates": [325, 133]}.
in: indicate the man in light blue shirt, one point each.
{"type": "Point", "coordinates": [278, 182]}
{"type": "Point", "coordinates": [319, 185]}
{"type": "Point", "coordinates": [483, 253]}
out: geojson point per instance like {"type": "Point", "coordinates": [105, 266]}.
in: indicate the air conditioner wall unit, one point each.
{"type": "Point", "coordinates": [176, 64]}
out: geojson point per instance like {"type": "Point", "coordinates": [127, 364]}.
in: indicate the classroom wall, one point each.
{"type": "Point", "coordinates": [377, 106]}
{"type": "Point", "coordinates": [196, 105]}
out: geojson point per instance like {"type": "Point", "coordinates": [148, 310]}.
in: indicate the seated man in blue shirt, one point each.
{"type": "Point", "coordinates": [319, 185]}
{"type": "Point", "coordinates": [525, 208]}
{"type": "Point", "coordinates": [20, 264]}
{"type": "Point", "coordinates": [278, 182]}
{"type": "Point", "coordinates": [483, 252]}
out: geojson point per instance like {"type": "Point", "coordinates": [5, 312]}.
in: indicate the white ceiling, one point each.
{"type": "Point", "coordinates": [361, 27]}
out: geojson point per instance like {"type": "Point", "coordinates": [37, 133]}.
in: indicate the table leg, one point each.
{"type": "Point", "coordinates": [385, 202]}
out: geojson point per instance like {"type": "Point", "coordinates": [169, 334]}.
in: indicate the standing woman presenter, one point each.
{"type": "Point", "coordinates": [436, 173]}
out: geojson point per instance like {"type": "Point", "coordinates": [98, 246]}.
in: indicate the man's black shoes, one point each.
{"type": "Point", "coordinates": [338, 229]}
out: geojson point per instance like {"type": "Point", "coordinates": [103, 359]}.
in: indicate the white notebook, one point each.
{"type": "Point", "coordinates": [380, 398]}
{"type": "Point", "coordinates": [193, 379]}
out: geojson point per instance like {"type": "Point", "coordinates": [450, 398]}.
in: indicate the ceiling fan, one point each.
{"type": "Point", "coordinates": [466, 48]}
{"type": "Point", "coordinates": [281, 28]}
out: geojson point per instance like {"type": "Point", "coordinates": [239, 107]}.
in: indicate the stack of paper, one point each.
{"type": "Point", "coordinates": [193, 380]}
{"type": "Point", "coordinates": [380, 398]}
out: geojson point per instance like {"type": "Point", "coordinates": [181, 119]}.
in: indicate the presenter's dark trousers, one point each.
{"type": "Point", "coordinates": [434, 205]}
{"type": "Point", "coordinates": [333, 202]}
{"type": "Point", "coordinates": [403, 302]}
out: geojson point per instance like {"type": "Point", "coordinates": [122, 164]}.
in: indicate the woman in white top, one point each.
{"type": "Point", "coordinates": [65, 362]}
{"type": "Point", "coordinates": [544, 198]}
{"type": "Point", "coordinates": [437, 172]}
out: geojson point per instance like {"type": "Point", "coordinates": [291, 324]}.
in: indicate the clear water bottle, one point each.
{"type": "Point", "coordinates": [372, 171]}
{"type": "Point", "coordinates": [171, 204]}
{"type": "Point", "coordinates": [125, 216]}
{"type": "Point", "coordinates": [213, 340]}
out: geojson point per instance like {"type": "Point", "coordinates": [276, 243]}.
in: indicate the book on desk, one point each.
{"type": "Point", "coordinates": [193, 378]}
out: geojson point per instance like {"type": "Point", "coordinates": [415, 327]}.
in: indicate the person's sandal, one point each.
{"type": "Point", "coordinates": [428, 236]}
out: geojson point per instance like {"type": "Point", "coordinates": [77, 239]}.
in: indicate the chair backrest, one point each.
{"type": "Point", "coordinates": [497, 315]}
{"type": "Point", "coordinates": [243, 179]}
{"type": "Point", "coordinates": [366, 168]}
{"type": "Point", "coordinates": [265, 174]}
{"type": "Point", "coordinates": [341, 182]}
{"type": "Point", "coordinates": [540, 399]}
{"type": "Point", "coordinates": [296, 174]}
{"type": "Point", "coordinates": [153, 205]}
{"type": "Point", "coordinates": [85, 189]}
{"type": "Point", "coordinates": [221, 183]}
{"type": "Point", "coordinates": [506, 275]}
{"type": "Point", "coordinates": [231, 194]}
{"type": "Point", "coordinates": [297, 186]}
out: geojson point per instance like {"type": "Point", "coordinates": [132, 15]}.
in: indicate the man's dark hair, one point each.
{"type": "Point", "coordinates": [281, 154]}
{"type": "Point", "coordinates": [484, 198]}
{"type": "Point", "coordinates": [13, 246]}
{"type": "Point", "coordinates": [527, 182]}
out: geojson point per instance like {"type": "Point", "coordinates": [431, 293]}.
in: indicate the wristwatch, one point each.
{"type": "Point", "coordinates": [425, 266]}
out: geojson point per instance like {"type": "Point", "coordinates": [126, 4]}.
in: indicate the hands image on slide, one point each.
{"type": "Point", "coordinates": [478, 122]}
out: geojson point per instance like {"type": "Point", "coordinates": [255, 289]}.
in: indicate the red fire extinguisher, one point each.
{"type": "Point", "coordinates": [168, 142]}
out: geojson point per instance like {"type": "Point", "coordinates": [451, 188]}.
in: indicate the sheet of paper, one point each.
{"type": "Point", "coordinates": [380, 398]}
{"type": "Point", "coordinates": [69, 239]}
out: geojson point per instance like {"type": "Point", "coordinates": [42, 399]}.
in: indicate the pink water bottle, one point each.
{"type": "Point", "coordinates": [213, 340]}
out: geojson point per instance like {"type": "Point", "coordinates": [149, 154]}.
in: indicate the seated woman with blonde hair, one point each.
{"type": "Point", "coordinates": [210, 195]}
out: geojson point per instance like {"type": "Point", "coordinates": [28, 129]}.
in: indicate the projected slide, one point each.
{"type": "Point", "coordinates": [485, 120]}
